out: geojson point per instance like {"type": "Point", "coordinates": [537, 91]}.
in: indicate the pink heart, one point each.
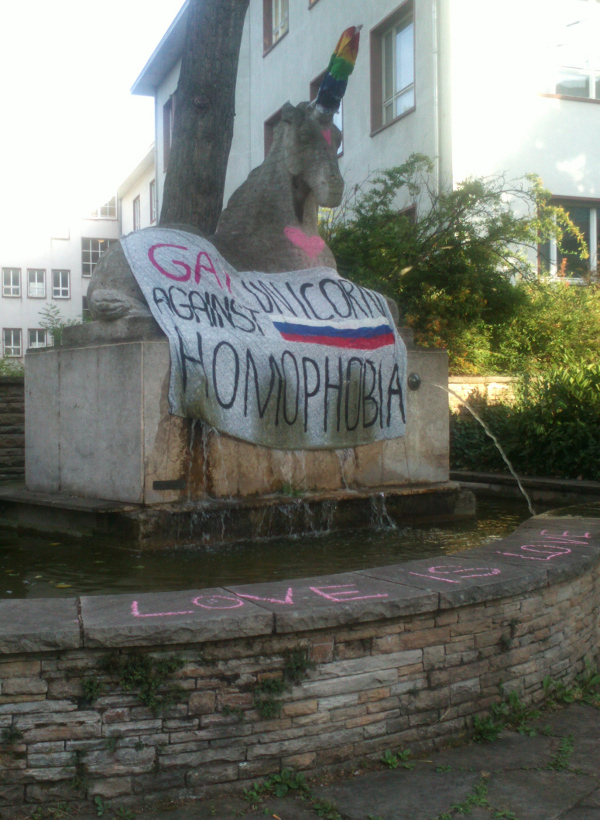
{"type": "Point", "coordinates": [311, 245]}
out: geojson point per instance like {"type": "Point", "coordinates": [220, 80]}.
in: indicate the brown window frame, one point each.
{"type": "Point", "coordinates": [376, 50]}
{"type": "Point", "coordinates": [269, 127]}
{"type": "Point", "coordinates": [268, 41]}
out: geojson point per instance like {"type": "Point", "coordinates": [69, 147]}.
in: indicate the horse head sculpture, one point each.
{"type": "Point", "coordinates": [271, 221]}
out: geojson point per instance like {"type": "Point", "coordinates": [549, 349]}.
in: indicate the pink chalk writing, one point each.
{"type": "Point", "coordinates": [288, 600]}
{"type": "Point", "coordinates": [327, 135]}
{"type": "Point", "coordinates": [438, 573]}
{"type": "Point", "coordinates": [566, 537]}
{"type": "Point", "coordinates": [543, 552]}
{"type": "Point", "coordinates": [311, 245]}
{"type": "Point", "coordinates": [203, 263]}
{"type": "Point", "coordinates": [137, 614]}
{"type": "Point", "coordinates": [347, 592]}
{"type": "Point", "coordinates": [214, 602]}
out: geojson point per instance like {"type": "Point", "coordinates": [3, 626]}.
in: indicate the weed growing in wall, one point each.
{"type": "Point", "coordinates": [145, 675]}
{"type": "Point", "coordinates": [295, 668]}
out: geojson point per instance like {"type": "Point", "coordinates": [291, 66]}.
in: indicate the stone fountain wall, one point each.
{"type": "Point", "coordinates": [98, 426]}
{"type": "Point", "coordinates": [403, 656]}
{"type": "Point", "coordinates": [12, 429]}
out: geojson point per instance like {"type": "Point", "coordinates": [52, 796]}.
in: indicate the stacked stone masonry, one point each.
{"type": "Point", "coordinates": [403, 656]}
{"type": "Point", "coordinates": [12, 429]}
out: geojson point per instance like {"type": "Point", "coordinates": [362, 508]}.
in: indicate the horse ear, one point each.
{"type": "Point", "coordinates": [291, 114]}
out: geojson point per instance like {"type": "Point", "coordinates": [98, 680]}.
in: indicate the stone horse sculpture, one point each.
{"type": "Point", "coordinates": [270, 223]}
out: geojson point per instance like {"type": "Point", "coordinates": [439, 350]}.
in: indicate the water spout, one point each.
{"type": "Point", "coordinates": [494, 439]}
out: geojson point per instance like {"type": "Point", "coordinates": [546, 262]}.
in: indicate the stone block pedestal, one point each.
{"type": "Point", "coordinates": [98, 426]}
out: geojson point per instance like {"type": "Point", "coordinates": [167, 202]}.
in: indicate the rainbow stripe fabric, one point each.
{"type": "Point", "coordinates": [364, 334]}
{"type": "Point", "coordinates": [341, 66]}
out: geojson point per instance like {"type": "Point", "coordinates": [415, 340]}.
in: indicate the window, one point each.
{"type": "Point", "coordinates": [168, 119]}
{"type": "Point", "coordinates": [86, 314]}
{"type": "Point", "coordinates": [152, 193]}
{"type": "Point", "coordinates": [269, 129]}
{"type": "Point", "coordinates": [61, 284]}
{"type": "Point", "coordinates": [275, 22]}
{"type": "Point", "coordinates": [106, 211]}
{"type": "Point", "coordinates": [393, 67]}
{"type": "Point", "coordinates": [136, 214]}
{"type": "Point", "coordinates": [11, 281]}
{"type": "Point", "coordinates": [575, 57]}
{"type": "Point", "coordinates": [12, 341]}
{"type": "Point", "coordinates": [564, 261]}
{"type": "Point", "coordinates": [36, 283]}
{"type": "Point", "coordinates": [36, 338]}
{"type": "Point", "coordinates": [338, 117]}
{"type": "Point", "coordinates": [91, 251]}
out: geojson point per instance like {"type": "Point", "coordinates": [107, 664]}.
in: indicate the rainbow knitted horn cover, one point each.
{"type": "Point", "coordinates": [339, 69]}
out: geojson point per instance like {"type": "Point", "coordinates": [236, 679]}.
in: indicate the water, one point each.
{"type": "Point", "coordinates": [36, 566]}
{"type": "Point", "coordinates": [488, 432]}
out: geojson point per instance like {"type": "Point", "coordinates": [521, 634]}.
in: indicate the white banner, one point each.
{"type": "Point", "coordinates": [300, 360]}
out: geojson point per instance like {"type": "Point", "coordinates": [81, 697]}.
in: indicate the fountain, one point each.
{"type": "Point", "coordinates": [160, 424]}
{"type": "Point", "coordinates": [298, 377]}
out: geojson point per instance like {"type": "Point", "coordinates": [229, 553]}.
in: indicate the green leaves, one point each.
{"type": "Point", "coordinates": [458, 261]}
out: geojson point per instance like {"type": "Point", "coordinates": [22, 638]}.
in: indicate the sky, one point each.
{"type": "Point", "coordinates": [71, 130]}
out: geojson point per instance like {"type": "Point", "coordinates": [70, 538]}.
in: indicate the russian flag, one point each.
{"type": "Point", "coordinates": [362, 334]}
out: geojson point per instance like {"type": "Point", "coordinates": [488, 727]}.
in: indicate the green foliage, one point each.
{"type": "Point", "coordinates": [11, 367]}
{"type": "Point", "coordinates": [477, 797]}
{"type": "Point", "coordinates": [278, 785]}
{"type": "Point", "coordinates": [54, 322]}
{"type": "Point", "coordinates": [80, 779]}
{"type": "Point", "coordinates": [10, 735]}
{"type": "Point", "coordinates": [552, 429]}
{"type": "Point", "coordinates": [265, 700]}
{"type": "Point", "coordinates": [401, 758]}
{"type": "Point", "coordinates": [91, 688]}
{"type": "Point", "coordinates": [297, 664]}
{"type": "Point", "coordinates": [100, 807]}
{"type": "Point", "coordinates": [556, 324]}
{"type": "Point", "coordinates": [560, 761]}
{"type": "Point", "coordinates": [146, 675]}
{"type": "Point", "coordinates": [233, 711]}
{"type": "Point", "coordinates": [508, 713]}
{"type": "Point", "coordinates": [448, 258]}
{"type": "Point", "coordinates": [586, 687]}
{"type": "Point", "coordinates": [328, 810]}
{"type": "Point", "coordinates": [295, 668]}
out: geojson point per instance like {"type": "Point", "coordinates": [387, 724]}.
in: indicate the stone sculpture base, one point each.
{"type": "Point", "coordinates": [98, 426]}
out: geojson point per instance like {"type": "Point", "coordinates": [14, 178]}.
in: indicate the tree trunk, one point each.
{"type": "Point", "coordinates": [204, 112]}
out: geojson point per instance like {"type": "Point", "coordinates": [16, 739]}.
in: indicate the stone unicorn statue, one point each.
{"type": "Point", "coordinates": [270, 223]}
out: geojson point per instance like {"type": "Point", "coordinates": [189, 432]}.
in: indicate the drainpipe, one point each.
{"type": "Point", "coordinates": [436, 99]}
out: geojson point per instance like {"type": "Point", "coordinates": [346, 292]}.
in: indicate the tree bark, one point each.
{"type": "Point", "coordinates": [204, 113]}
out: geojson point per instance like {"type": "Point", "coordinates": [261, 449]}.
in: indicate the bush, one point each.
{"type": "Point", "coordinates": [552, 429]}
{"type": "Point", "coordinates": [451, 258]}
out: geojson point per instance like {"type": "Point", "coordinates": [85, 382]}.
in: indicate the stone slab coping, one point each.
{"type": "Point", "coordinates": [544, 550]}
{"type": "Point", "coordinates": [481, 379]}
{"type": "Point", "coordinates": [540, 483]}
{"type": "Point", "coordinates": [18, 494]}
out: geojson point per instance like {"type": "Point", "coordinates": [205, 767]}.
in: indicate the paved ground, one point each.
{"type": "Point", "coordinates": [555, 774]}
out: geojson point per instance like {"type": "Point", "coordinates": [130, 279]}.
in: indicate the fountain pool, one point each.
{"type": "Point", "coordinates": [43, 566]}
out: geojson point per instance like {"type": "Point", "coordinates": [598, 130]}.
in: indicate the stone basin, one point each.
{"type": "Point", "coordinates": [399, 656]}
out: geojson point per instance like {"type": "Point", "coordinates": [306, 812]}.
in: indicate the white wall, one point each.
{"type": "Point", "coordinates": [140, 187]}
{"type": "Point", "coordinates": [48, 253]}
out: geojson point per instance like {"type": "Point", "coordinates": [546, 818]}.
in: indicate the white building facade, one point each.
{"type": "Point", "coordinates": [483, 88]}
{"type": "Point", "coordinates": [52, 271]}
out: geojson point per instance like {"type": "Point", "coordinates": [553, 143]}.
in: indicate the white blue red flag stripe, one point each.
{"type": "Point", "coordinates": [365, 335]}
